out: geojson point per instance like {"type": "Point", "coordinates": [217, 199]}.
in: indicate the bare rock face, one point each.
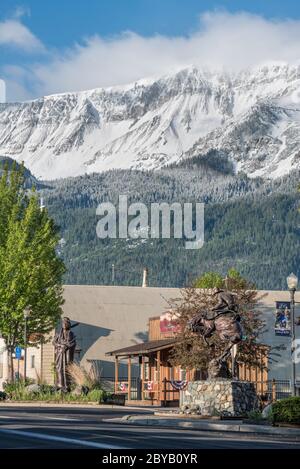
{"type": "Point", "coordinates": [250, 117]}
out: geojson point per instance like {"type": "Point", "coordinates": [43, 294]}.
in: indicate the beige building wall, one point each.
{"type": "Point", "coordinates": [112, 317]}
{"type": "Point", "coordinates": [33, 368]}
{"type": "Point", "coordinates": [47, 361]}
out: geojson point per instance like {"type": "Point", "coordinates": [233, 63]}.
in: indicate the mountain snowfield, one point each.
{"type": "Point", "coordinates": [251, 117]}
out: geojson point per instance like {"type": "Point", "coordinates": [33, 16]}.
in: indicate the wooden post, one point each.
{"type": "Point", "coordinates": [273, 390]}
{"type": "Point", "coordinates": [165, 392]}
{"type": "Point", "coordinates": [143, 376]}
{"type": "Point", "coordinates": [129, 378]}
{"type": "Point", "coordinates": [256, 378]}
{"type": "Point", "coordinates": [158, 376]}
{"type": "Point", "coordinates": [116, 374]}
{"type": "Point", "coordinates": [262, 388]}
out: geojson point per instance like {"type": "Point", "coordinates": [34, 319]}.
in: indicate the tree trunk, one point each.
{"type": "Point", "coordinates": [10, 364]}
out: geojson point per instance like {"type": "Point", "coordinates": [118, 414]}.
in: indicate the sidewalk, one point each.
{"type": "Point", "coordinates": [204, 425]}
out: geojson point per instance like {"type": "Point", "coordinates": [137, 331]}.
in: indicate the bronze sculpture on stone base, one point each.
{"type": "Point", "coordinates": [64, 346]}
{"type": "Point", "coordinates": [223, 320]}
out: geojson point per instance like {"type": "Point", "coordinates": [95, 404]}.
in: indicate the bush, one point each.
{"type": "Point", "coordinates": [18, 392]}
{"type": "Point", "coordinates": [83, 378]}
{"type": "Point", "coordinates": [16, 387]}
{"type": "Point", "coordinates": [3, 396]}
{"type": "Point", "coordinates": [287, 411]}
{"type": "Point", "coordinates": [255, 415]}
{"type": "Point", "coordinates": [14, 390]}
{"type": "Point", "coordinates": [44, 392]}
{"type": "Point", "coordinates": [96, 395]}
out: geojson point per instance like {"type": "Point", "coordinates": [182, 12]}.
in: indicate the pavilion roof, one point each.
{"type": "Point", "coordinates": [144, 348]}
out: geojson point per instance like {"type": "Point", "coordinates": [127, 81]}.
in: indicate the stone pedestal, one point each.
{"type": "Point", "coordinates": [222, 397]}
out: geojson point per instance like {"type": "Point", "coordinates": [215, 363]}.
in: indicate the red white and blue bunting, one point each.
{"type": "Point", "coordinates": [179, 385]}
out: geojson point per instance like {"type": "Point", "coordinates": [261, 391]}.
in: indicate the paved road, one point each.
{"type": "Point", "coordinates": [52, 427]}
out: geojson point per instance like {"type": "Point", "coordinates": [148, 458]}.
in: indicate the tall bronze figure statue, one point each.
{"type": "Point", "coordinates": [64, 346]}
{"type": "Point", "coordinates": [223, 320]}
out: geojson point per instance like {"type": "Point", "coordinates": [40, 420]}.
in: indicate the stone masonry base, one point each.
{"type": "Point", "coordinates": [221, 397]}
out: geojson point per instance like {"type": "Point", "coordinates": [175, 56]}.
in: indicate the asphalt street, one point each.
{"type": "Point", "coordinates": [65, 427]}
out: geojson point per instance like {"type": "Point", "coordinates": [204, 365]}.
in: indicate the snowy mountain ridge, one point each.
{"type": "Point", "coordinates": [252, 117]}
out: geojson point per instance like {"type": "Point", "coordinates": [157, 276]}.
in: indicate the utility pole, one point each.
{"type": "Point", "coordinates": [26, 316]}
{"type": "Point", "coordinates": [292, 282]}
{"type": "Point", "coordinates": [113, 274]}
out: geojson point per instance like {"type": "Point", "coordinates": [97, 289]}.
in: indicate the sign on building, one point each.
{"type": "Point", "coordinates": [283, 318]}
{"type": "Point", "coordinates": [168, 323]}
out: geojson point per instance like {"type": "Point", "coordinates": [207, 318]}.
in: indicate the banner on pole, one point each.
{"type": "Point", "coordinates": [283, 318]}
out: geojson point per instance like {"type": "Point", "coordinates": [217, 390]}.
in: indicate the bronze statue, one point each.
{"type": "Point", "coordinates": [64, 346]}
{"type": "Point", "coordinates": [226, 302]}
{"type": "Point", "coordinates": [223, 320]}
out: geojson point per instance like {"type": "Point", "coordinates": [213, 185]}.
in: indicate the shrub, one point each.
{"type": "Point", "coordinates": [18, 391]}
{"type": "Point", "coordinates": [78, 374]}
{"type": "Point", "coordinates": [286, 410]}
{"type": "Point", "coordinates": [96, 395]}
{"type": "Point", "coordinates": [255, 415]}
{"type": "Point", "coordinates": [16, 386]}
{"type": "Point", "coordinates": [14, 389]}
{"type": "Point", "coordinates": [47, 389]}
{"type": "Point", "coordinates": [83, 378]}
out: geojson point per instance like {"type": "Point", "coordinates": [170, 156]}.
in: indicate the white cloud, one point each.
{"type": "Point", "coordinates": [223, 40]}
{"type": "Point", "coordinates": [2, 92]}
{"type": "Point", "coordinates": [21, 11]}
{"type": "Point", "coordinates": [14, 33]}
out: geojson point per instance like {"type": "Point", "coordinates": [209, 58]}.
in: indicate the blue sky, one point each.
{"type": "Point", "coordinates": [73, 38]}
{"type": "Point", "coordinates": [62, 22]}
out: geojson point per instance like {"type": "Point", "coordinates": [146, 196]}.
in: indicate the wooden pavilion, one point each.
{"type": "Point", "coordinates": [159, 382]}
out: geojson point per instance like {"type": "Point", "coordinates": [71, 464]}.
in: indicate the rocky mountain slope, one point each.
{"type": "Point", "coordinates": [251, 118]}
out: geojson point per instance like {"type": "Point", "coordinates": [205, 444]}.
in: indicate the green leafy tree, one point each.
{"type": "Point", "coordinates": [214, 279]}
{"type": "Point", "coordinates": [30, 270]}
{"type": "Point", "coordinates": [209, 280]}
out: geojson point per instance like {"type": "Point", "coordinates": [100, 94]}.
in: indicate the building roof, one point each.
{"type": "Point", "coordinates": [143, 348]}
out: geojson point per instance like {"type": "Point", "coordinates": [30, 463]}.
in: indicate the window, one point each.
{"type": "Point", "coordinates": [32, 361]}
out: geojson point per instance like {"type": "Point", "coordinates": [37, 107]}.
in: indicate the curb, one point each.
{"type": "Point", "coordinates": [205, 426]}
{"type": "Point", "coordinates": [48, 404]}
{"type": "Point", "coordinates": [86, 405]}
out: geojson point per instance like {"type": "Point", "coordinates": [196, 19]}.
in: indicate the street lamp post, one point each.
{"type": "Point", "coordinates": [292, 282]}
{"type": "Point", "coordinates": [26, 316]}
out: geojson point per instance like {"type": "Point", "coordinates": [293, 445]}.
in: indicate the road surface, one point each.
{"type": "Point", "coordinates": [69, 427]}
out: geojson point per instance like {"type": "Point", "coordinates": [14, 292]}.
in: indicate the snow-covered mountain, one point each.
{"type": "Point", "coordinates": [251, 117]}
